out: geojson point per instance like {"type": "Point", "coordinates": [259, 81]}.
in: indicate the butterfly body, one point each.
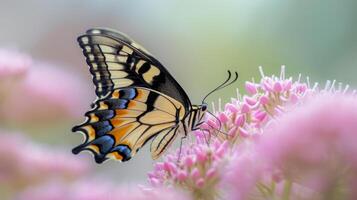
{"type": "Point", "coordinates": [137, 100]}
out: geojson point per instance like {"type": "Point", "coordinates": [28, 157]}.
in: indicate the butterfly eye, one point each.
{"type": "Point", "coordinates": [204, 107]}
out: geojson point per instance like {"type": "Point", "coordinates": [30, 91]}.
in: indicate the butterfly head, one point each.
{"type": "Point", "coordinates": [202, 112]}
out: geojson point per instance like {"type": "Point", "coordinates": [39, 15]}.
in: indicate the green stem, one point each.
{"type": "Point", "coordinates": [272, 186]}
{"type": "Point", "coordinates": [287, 190]}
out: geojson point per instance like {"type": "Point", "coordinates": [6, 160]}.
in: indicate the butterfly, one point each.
{"type": "Point", "coordinates": [137, 100]}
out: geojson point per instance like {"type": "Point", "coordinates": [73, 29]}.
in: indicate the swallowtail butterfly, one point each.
{"type": "Point", "coordinates": [137, 100]}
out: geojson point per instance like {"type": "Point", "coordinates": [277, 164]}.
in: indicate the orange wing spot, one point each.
{"type": "Point", "coordinates": [116, 122]}
{"type": "Point", "coordinates": [115, 94]}
{"type": "Point", "coordinates": [94, 148]}
{"type": "Point", "coordinates": [142, 95]}
{"type": "Point", "coordinates": [90, 132]}
{"type": "Point", "coordinates": [93, 118]}
{"type": "Point", "coordinates": [115, 155]}
{"type": "Point", "coordinates": [121, 112]}
{"type": "Point", "coordinates": [139, 94]}
{"type": "Point", "coordinates": [132, 104]}
{"type": "Point", "coordinates": [118, 133]}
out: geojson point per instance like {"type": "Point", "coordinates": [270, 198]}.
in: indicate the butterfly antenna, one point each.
{"type": "Point", "coordinates": [234, 80]}
{"type": "Point", "coordinates": [217, 88]}
{"type": "Point", "coordinates": [223, 85]}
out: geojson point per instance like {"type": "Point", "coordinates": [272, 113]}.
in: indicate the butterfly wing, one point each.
{"type": "Point", "coordinates": [124, 121]}
{"type": "Point", "coordinates": [116, 61]}
{"type": "Point", "coordinates": [137, 98]}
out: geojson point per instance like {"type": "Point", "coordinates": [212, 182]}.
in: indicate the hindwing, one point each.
{"type": "Point", "coordinates": [122, 122]}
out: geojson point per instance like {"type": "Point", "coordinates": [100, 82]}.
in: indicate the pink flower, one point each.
{"type": "Point", "coordinates": [198, 167]}
{"type": "Point", "coordinates": [24, 163]}
{"type": "Point", "coordinates": [47, 93]}
{"type": "Point", "coordinates": [231, 161]}
{"type": "Point", "coordinates": [13, 68]}
{"type": "Point", "coordinates": [315, 144]}
{"type": "Point", "coordinates": [244, 118]}
{"type": "Point", "coordinates": [242, 174]}
{"type": "Point", "coordinates": [97, 190]}
{"type": "Point", "coordinates": [13, 63]}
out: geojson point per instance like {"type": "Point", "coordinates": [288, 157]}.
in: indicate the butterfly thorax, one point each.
{"type": "Point", "coordinates": [196, 116]}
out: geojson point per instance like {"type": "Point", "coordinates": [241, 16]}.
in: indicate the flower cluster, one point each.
{"type": "Point", "coordinates": [242, 166]}
{"type": "Point", "coordinates": [246, 116]}
{"type": "Point", "coordinates": [195, 167]}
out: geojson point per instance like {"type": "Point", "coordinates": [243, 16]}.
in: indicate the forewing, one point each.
{"type": "Point", "coordinates": [125, 120]}
{"type": "Point", "coordinates": [116, 62]}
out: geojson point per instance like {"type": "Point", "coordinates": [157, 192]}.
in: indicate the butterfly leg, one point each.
{"type": "Point", "coordinates": [181, 141]}
{"type": "Point", "coordinates": [180, 150]}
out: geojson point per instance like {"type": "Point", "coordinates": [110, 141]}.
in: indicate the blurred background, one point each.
{"type": "Point", "coordinates": [46, 87]}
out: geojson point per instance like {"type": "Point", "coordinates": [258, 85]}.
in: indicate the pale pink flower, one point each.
{"type": "Point", "coordinates": [197, 168]}
{"type": "Point", "coordinates": [47, 93]}
{"type": "Point", "coordinates": [13, 68]}
{"type": "Point", "coordinates": [245, 116]}
{"type": "Point", "coordinates": [23, 163]}
{"type": "Point", "coordinates": [245, 173]}
{"type": "Point", "coordinates": [97, 190]}
{"type": "Point", "coordinates": [315, 145]}
{"type": "Point", "coordinates": [13, 63]}
{"type": "Point", "coordinates": [242, 174]}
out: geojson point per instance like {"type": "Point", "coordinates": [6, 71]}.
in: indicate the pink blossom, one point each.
{"type": "Point", "coordinates": [314, 144]}
{"type": "Point", "coordinates": [251, 88]}
{"type": "Point", "coordinates": [235, 133]}
{"type": "Point", "coordinates": [24, 163]}
{"type": "Point", "coordinates": [97, 190]}
{"type": "Point", "coordinates": [241, 176]}
{"type": "Point", "coordinates": [13, 63]}
{"type": "Point", "coordinates": [47, 93]}
{"type": "Point", "coordinates": [238, 125]}
{"type": "Point", "coordinates": [198, 167]}
{"type": "Point", "coordinates": [13, 68]}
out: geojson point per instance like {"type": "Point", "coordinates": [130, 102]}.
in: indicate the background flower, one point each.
{"type": "Point", "coordinates": [54, 93]}
{"type": "Point", "coordinates": [13, 67]}
{"type": "Point", "coordinates": [26, 163]}
{"type": "Point", "coordinates": [314, 145]}
{"type": "Point", "coordinates": [97, 190]}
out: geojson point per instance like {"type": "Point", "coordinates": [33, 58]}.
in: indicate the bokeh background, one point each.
{"type": "Point", "coordinates": [196, 40]}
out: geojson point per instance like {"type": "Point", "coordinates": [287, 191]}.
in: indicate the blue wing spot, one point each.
{"type": "Point", "coordinates": [123, 151]}
{"type": "Point", "coordinates": [117, 103]}
{"type": "Point", "coordinates": [105, 143]}
{"type": "Point", "coordinates": [102, 127]}
{"type": "Point", "coordinates": [128, 93]}
{"type": "Point", "coordinates": [104, 114]}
